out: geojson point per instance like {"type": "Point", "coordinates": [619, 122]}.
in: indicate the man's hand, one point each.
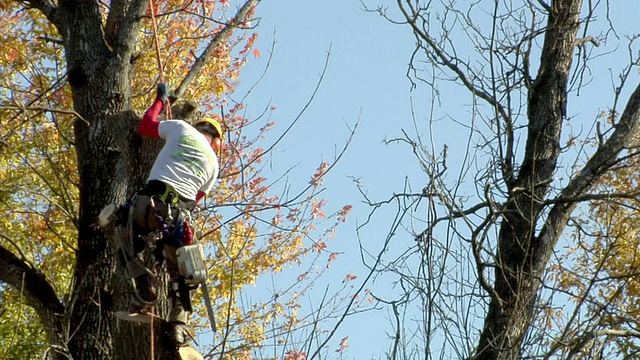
{"type": "Point", "coordinates": [163, 92]}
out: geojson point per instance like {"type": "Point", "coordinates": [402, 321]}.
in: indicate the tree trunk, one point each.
{"type": "Point", "coordinates": [519, 267]}
{"type": "Point", "coordinates": [99, 81]}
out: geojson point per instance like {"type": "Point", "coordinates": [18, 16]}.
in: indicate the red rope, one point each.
{"type": "Point", "coordinates": [152, 335]}
{"type": "Point", "coordinates": [169, 116]}
{"type": "Point", "coordinates": [158, 57]}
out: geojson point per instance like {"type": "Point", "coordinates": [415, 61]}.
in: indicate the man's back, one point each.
{"type": "Point", "coordinates": [186, 162]}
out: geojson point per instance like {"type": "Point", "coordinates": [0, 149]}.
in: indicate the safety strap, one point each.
{"type": "Point", "coordinates": [170, 196]}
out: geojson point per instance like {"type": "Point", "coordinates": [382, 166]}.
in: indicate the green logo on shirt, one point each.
{"type": "Point", "coordinates": [185, 154]}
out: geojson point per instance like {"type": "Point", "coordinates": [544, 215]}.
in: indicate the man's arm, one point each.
{"type": "Point", "coordinates": [199, 196]}
{"type": "Point", "coordinates": [149, 124]}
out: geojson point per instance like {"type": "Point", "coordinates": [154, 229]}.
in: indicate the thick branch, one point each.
{"type": "Point", "coordinates": [521, 256]}
{"type": "Point", "coordinates": [36, 290]}
{"type": "Point", "coordinates": [215, 42]}
{"type": "Point", "coordinates": [623, 136]}
{"type": "Point", "coordinates": [123, 25]}
{"type": "Point", "coordinates": [49, 9]}
{"type": "Point", "coordinates": [600, 333]}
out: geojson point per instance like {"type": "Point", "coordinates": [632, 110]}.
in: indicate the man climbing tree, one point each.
{"type": "Point", "coordinates": [182, 174]}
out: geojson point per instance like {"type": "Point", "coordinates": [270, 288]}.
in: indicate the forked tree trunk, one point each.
{"type": "Point", "coordinates": [521, 258]}
{"type": "Point", "coordinates": [99, 76]}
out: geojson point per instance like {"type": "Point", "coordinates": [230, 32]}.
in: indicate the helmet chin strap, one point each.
{"type": "Point", "coordinates": [216, 144]}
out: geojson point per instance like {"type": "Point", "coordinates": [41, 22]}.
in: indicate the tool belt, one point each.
{"type": "Point", "coordinates": [157, 206]}
{"type": "Point", "coordinates": [165, 193]}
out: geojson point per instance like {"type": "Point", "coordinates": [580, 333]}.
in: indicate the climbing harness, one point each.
{"type": "Point", "coordinates": [142, 252]}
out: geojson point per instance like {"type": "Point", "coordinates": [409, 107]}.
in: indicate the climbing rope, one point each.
{"type": "Point", "coordinates": [152, 335]}
{"type": "Point", "coordinates": [158, 56]}
{"type": "Point", "coordinates": [169, 116]}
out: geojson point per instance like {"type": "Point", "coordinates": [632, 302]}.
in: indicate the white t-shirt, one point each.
{"type": "Point", "coordinates": [186, 162]}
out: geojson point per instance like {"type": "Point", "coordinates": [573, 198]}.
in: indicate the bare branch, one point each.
{"type": "Point", "coordinates": [412, 15]}
{"type": "Point", "coordinates": [224, 34]}
{"type": "Point", "coordinates": [42, 109]}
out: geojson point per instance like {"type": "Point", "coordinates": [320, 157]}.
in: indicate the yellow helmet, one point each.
{"type": "Point", "coordinates": [210, 121]}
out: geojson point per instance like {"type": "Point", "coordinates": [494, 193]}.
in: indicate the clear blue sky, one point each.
{"type": "Point", "coordinates": [365, 83]}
